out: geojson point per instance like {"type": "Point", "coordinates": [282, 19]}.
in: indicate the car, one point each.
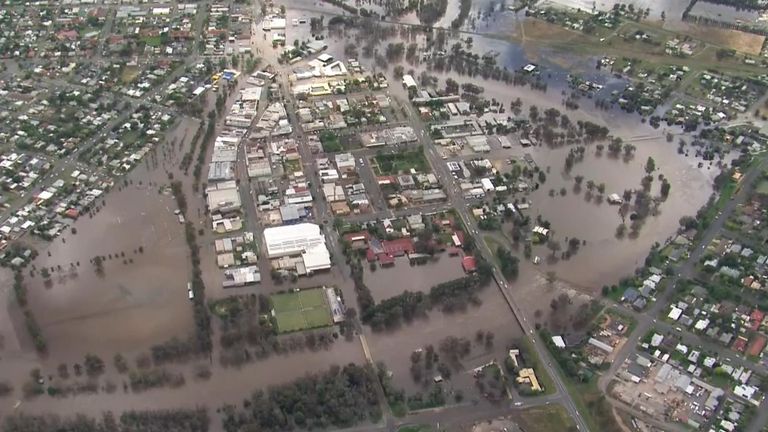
{"type": "Point", "coordinates": [518, 403]}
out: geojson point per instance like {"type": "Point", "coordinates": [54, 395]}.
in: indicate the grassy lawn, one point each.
{"type": "Point", "coordinates": [616, 295]}
{"type": "Point", "coordinates": [721, 380]}
{"type": "Point", "coordinates": [291, 166]}
{"type": "Point", "coordinates": [493, 245]}
{"type": "Point", "coordinates": [415, 428]}
{"type": "Point", "coordinates": [153, 41]}
{"type": "Point", "coordinates": [589, 400]}
{"type": "Point", "coordinates": [403, 162]}
{"type": "Point", "coordinates": [591, 404]}
{"type": "Point", "coordinates": [301, 310]}
{"type": "Point", "coordinates": [128, 74]}
{"type": "Point", "coordinates": [629, 321]}
{"type": "Point", "coordinates": [726, 193]}
{"type": "Point", "coordinates": [547, 418]}
{"type": "Point", "coordinates": [330, 142]}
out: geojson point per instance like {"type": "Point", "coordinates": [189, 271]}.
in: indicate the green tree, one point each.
{"type": "Point", "coordinates": [650, 166]}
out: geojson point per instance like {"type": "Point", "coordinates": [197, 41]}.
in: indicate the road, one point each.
{"type": "Point", "coordinates": [462, 207]}
{"type": "Point", "coordinates": [648, 319]}
{"type": "Point", "coordinates": [70, 161]}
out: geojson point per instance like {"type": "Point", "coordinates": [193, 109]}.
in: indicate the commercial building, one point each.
{"type": "Point", "coordinates": [303, 240]}
{"type": "Point", "coordinates": [223, 197]}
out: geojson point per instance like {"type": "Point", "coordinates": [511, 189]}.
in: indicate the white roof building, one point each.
{"type": "Point", "coordinates": [304, 239]}
{"type": "Point", "coordinates": [558, 341]}
{"type": "Point", "coordinates": [409, 82]}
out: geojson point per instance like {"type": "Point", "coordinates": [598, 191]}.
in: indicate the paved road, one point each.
{"type": "Point", "coordinates": [686, 270]}
{"type": "Point", "coordinates": [71, 161]}
{"type": "Point", "coordinates": [462, 207]}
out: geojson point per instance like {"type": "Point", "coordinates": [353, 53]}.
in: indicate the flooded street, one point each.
{"type": "Point", "coordinates": [140, 299]}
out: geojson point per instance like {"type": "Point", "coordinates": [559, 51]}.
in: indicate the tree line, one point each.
{"type": "Point", "coordinates": [340, 397]}
{"type": "Point", "coordinates": [201, 316]}
{"type": "Point", "coordinates": [179, 420]}
{"type": "Point", "coordinates": [449, 296]}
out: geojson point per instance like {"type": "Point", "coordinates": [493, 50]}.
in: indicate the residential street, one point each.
{"type": "Point", "coordinates": [649, 319]}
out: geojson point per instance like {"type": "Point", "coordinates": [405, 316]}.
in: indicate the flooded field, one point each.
{"type": "Point", "coordinates": [388, 282]}
{"type": "Point", "coordinates": [596, 221]}
{"type": "Point", "coordinates": [672, 8]}
{"type": "Point", "coordinates": [225, 385]}
{"type": "Point", "coordinates": [394, 348]}
{"type": "Point", "coordinates": [140, 298]}
{"type": "Point", "coordinates": [690, 185]}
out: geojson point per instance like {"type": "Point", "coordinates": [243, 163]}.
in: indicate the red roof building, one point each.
{"type": "Point", "coordinates": [469, 264]}
{"type": "Point", "coordinates": [740, 345]}
{"type": "Point", "coordinates": [755, 319]}
{"type": "Point", "coordinates": [358, 240]}
{"type": "Point", "coordinates": [386, 260]}
{"type": "Point", "coordinates": [398, 247]}
{"type": "Point", "coordinates": [757, 345]}
{"type": "Point", "coordinates": [370, 255]}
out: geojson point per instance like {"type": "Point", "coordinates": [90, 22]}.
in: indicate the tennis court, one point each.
{"type": "Point", "coordinates": [301, 310]}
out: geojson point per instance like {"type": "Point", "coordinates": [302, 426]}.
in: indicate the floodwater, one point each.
{"type": "Point", "coordinates": [571, 215]}
{"type": "Point", "coordinates": [138, 304]}
{"type": "Point", "coordinates": [605, 259]}
{"type": "Point", "coordinates": [134, 304]}
{"type": "Point", "coordinates": [672, 8]}
{"type": "Point", "coordinates": [226, 386]}
{"type": "Point", "coordinates": [394, 348]}
{"type": "Point", "coordinates": [386, 282]}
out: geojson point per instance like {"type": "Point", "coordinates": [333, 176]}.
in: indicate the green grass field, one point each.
{"type": "Point", "coordinates": [399, 163]}
{"type": "Point", "coordinates": [301, 310]}
{"type": "Point", "coordinates": [545, 419]}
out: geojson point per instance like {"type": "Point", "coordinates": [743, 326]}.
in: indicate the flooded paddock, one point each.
{"type": "Point", "coordinates": [595, 221]}
{"type": "Point", "coordinates": [226, 386]}
{"type": "Point", "coordinates": [386, 282]}
{"type": "Point", "coordinates": [141, 297]}
{"type": "Point", "coordinates": [394, 348]}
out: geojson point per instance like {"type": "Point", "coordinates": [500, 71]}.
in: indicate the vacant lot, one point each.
{"type": "Point", "coordinates": [399, 163]}
{"type": "Point", "coordinates": [330, 142]}
{"type": "Point", "coordinates": [545, 419]}
{"type": "Point", "coordinates": [748, 43]}
{"type": "Point", "coordinates": [301, 310]}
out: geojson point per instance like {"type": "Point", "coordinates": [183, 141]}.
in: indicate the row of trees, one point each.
{"type": "Point", "coordinates": [33, 328]}
{"type": "Point", "coordinates": [510, 264]}
{"type": "Point", "coordinates": [201, 316]}
{"type": "Point", "coordinates": [338, 398]}
{"type": "Point", "coordinates": [449, 296]}
{"type": "Point", "coordinates": [464, 9]}
{"type": "Point", "coordinates": [180, 420]}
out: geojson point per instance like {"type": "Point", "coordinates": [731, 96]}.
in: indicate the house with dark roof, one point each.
{"type": "Point", "coordinates": [630, 295]}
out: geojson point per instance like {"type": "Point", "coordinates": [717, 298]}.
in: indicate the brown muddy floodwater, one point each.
{"type": "Point", "coordinates": [226, 386]}
{"type": "Point", "coordinates": [605, 259]}
{"type": "Point", "coordinates": [386, 282]}
{"type": "Point", "coordinates": [394, 348]}
{"type": "Point", "coordinates": [134, 304]}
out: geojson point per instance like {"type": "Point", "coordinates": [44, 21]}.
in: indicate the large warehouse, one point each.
{"type": "Point", "coordinates": [304, 240]}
